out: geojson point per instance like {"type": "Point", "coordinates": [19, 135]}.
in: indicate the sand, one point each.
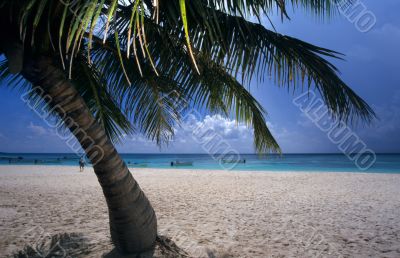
{"type": "Point", "coordinates": [238, 214]}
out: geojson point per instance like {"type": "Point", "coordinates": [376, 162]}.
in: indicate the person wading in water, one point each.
{"type": "Point", "coordinates": [81, 164]}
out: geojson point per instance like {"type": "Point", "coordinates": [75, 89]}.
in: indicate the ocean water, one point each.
{"type": "Point", "coordinates": [385, 163]}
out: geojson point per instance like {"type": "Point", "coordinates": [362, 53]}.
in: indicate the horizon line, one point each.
{"type": "Point", "coordinates": [199, 153]}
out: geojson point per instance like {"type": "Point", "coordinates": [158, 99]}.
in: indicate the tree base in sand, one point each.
{"type": "Point", "coordinates": [77, 246]}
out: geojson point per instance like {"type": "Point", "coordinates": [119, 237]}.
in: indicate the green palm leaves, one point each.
{"type": "Point", "coordinates": [206, 50]}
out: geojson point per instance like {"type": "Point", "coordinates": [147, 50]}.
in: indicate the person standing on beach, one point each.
{"type": "Point", "coordinates": [81, 164]}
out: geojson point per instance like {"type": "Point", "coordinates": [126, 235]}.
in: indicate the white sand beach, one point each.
{"type": "Point", "coordinates": [238, 214]}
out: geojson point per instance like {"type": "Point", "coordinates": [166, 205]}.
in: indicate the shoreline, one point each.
{"type": "Point", "coordinates": [240, 214]}
{"type": "Point", "coordinates": [184, 169]}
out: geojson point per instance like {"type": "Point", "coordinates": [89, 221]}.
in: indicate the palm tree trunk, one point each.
{"type": "Point", "coordinates": [133, 223]}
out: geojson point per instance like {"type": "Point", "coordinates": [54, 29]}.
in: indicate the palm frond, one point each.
{"type": "Point", "coordinates": [136, 53]}
{"type": "Point", "coordinates": [248, 49]}
{"type": "Point", "coordinates": [247, 8]}
{"type": "Point", "coordinates": [93, 89]}
{"type": "Point", "coordinates": [78, 17]}
{"type": "Point", "coordinates": [215, 90]}
{"type": "Point", "coordinates": [11, 80]}
{"type": "Point", "coordinates": [147, 101]}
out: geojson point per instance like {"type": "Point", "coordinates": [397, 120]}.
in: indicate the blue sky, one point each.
{"type": "Point", "coordinates": [371, 68]}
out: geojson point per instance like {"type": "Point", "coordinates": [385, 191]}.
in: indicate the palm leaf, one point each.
{"type": "Point", "coordinates": [92, 89]}
{"type": "Point", "coordinates": [213, 38]}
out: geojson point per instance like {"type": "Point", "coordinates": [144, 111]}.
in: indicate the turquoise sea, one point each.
{"type": "Point", "coordinates": [385, 163]}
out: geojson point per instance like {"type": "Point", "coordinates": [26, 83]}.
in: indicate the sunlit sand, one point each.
{"type": "Point", "coordinates": [242, 214]}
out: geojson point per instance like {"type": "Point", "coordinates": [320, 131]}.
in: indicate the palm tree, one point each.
{"type": "Point", "coordinates": [101, 67]}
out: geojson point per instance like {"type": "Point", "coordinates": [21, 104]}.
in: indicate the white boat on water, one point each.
{"type": "Point", "coordinates": [137, 165]}
{"type": "Point", "coordinates": [181, 163]}
{"type": "Point", "coordinates": [243, 161]}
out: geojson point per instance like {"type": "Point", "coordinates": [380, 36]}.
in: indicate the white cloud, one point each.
{"type": "Point", "coordinates": [305, 121]}
{"type": "Point", "coordinates": [226, 128]}
{"type": "Point", "coordinates": [194, 134]}
{"type": "Point", "coordinates": [389, 30]}
{"type": "Point", "coordinates": [383, 43]}
{"type": "Point", "coordinates": [37, 129]}
{"type": "Point", "coordinates": [388, 117]}
{"type": "Point", "coordinates": [140, 139]}
{"type": "Point", "coordinates": [362, 53]}
{"type": "Point", "coordinates": [222, 133]}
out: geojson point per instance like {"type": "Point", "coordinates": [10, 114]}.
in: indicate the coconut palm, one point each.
{"type": "Point", "coordinates": [106, 69]}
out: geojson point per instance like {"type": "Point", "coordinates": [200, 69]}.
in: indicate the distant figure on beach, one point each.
{"type": "Point", "coordinates": [81, 164]}
{"type": "Point", "coordinates": [172, 163]}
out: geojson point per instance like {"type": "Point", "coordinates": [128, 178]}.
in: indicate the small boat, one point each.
{"type": "Point", "coordinates": [137, 165]}
{"type": "Point", "coordinates": [70, 158]}
{"type": "Point", "coordinates": [13, 160]}
{"type": "Point", "coordinates": [6, 158]}
{"type": "Point", "coordinates": [181, 163]}
{"type": "Point", "coordinates": [243, 161]}
{"type": "Point", "coordinates": [23, 161]}
{"type": "Point", "coordinates": [50, 161]}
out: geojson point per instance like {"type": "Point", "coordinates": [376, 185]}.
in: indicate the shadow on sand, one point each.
{"type": "Point", "coordinates": [75, 245]}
